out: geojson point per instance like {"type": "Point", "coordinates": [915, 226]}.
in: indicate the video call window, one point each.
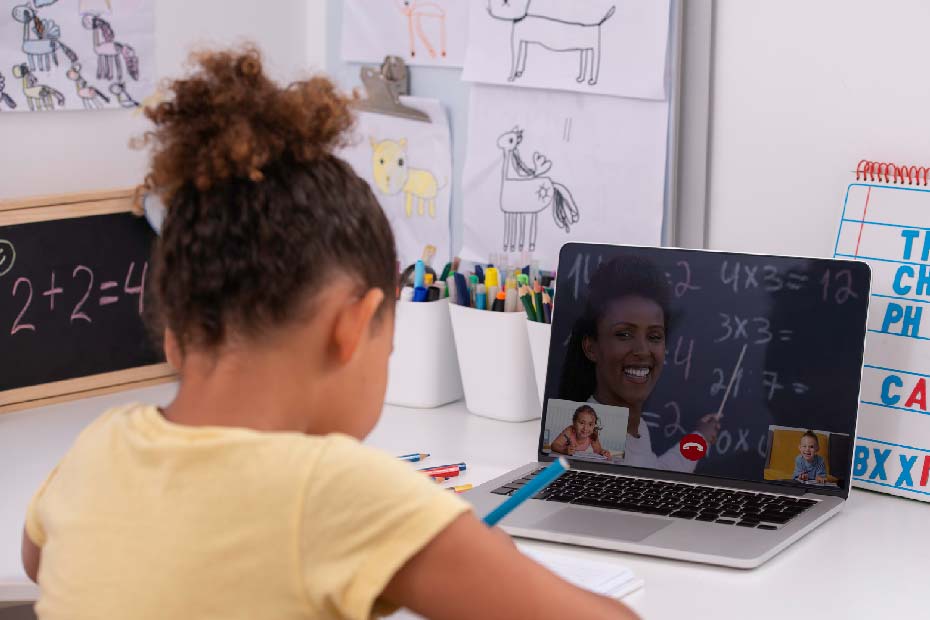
{"type": "Point", "coordinates": [718, 353]}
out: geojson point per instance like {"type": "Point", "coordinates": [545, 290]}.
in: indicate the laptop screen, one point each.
{"type": "Point", "coordinates": [735, 366]}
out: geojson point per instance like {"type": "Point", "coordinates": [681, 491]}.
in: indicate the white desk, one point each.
{"type": "Point", "coordinates": [867, 562]}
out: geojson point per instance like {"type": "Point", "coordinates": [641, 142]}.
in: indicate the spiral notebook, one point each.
{"type": "Point", "coordinates": [885, 221]}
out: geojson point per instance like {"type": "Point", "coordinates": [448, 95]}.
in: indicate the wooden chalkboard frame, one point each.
{"type": "Point", "coordinates": [47, 208]}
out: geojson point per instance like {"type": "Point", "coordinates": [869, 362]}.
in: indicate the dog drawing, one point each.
{"type": "Point", "coordinates": [557, 35]}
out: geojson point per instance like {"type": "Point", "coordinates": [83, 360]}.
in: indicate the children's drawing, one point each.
{"type": "Point", "coordinates": [89, 95]}
{"type": "Point", "coordinates": [123, 97]}
{"type": "Point", "coordinates": [553, 34]}
{"type": "Point", "coordinates": [422, 32]}
{"type": "Point", "coordinates": [41, 38]}
{"type": "Point", "coordinates": [392, 175]}
{"type": "Point", "coordinates": [525, 192]}
{"type": "Point", "coordinates": [38, 96]}
{"type": "Point", "coordinates": [415, 11]}
{"type": "Point", "coordinates": [109, 51]}
{"type": "Point", "coordinates": [5, 98]}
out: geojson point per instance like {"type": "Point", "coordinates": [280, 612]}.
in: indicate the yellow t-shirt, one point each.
{"type": "Point", "coordinates": [143, 518]}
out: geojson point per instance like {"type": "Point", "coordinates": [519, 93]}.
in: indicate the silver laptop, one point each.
{"type": "Point", "coordinates": [707, 402]}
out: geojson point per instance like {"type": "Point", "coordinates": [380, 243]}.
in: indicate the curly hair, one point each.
{"type": "Point", "coordinates": [260, 213]}
{"type": "Point", "coordinates": [625, 276]}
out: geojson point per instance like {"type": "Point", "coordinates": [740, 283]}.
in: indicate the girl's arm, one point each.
{"type": "Point", "coordinates": [561, 443]}
{"type": "Point", "coordinates": [32, 556]}
{"type": "Point", "coordinates": [472, 571]}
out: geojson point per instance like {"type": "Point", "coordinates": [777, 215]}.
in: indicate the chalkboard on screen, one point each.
{"type": "Point", "coordinates": [792, 329]}
{"type": "Point", "coordinates": [73, 276]}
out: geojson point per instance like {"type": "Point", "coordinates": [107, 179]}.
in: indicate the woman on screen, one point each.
{"type": "Point", "coordinates": [617, 351]}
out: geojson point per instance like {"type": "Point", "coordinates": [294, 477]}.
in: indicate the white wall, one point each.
{"type": "Point", "coordinates": [801, 91]}
{"type": "Point", "coordinates": [58, 152]}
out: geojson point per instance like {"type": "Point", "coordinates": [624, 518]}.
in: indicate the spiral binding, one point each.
{"type": "Point", "coordinates": [893, 174]}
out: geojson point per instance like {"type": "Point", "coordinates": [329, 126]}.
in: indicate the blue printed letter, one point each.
{"type": "Point", "coordinates": [878, 471]}
{"type": "Point", "coordinates": [861, 462]}
{"type": "Point", "coordinates": [906, 464]}
{"type": "Point", "coordinates": [909, 236]}
{"type": "Point", "coordinates": [899, 288]}
{"type": "Point", "coordinates": [893, 314]}
{"type": "Point", "coordinates": [890, 380]}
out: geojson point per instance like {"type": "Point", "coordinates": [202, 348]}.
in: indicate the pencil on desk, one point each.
{"type": "Point", "coordinates": [413, 457]}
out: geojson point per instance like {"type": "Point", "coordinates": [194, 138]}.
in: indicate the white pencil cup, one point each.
{"type": "Point", "coordinates": [423, 370]}
{"type": "Point", "coordinates": [494, 357]}
{"type": "Point", "coordinates": [539, 335]}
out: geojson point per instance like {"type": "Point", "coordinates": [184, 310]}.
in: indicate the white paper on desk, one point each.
{"type": "Point", "coordinates": [413, 184]}
{"type": "Point", "coordinates": [422, 32]}
{"type": "Point", "coordinates": [606, 47]}
{"type": "Point", "coordinates": [85, 55]}
{"type": "Point", "coordinates": [590, 169]}
{"type": "Point", "coordinates": [598, 576]}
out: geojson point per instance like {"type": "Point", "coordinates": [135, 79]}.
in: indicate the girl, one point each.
{"type": "Point", "coordinates": [250, 495]}
{"type": "Point", "coordinates": [581, 437]}
{"type": "Point", "coordinates": [617, 351]}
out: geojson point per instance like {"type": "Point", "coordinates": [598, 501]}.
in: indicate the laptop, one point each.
{"type": "Point", "coordinates": [706, 401]}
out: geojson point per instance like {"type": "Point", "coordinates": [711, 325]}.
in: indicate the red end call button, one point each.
{"type": "Point", "coordinates": [693, 447]}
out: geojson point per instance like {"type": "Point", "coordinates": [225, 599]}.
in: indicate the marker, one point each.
{"type": "Point", "coordinates": [510, 305]}
{"type": "Point", "coordinates": [419, 274]}
{"type": "Point", "coordinates": [433, 293]}
{"type": "Point", "coordinates": [499, 302]}
{"type": "Point", "coordinates": [460, 488]}
{"type": "Point", "coordinates": [539, 482]}
{"type": "Point", "coordinates": [413, 457]}
{"type": "Point", "coordinates": [456, 466]}
{"type": "Point", "coordinates": [420, 293]}
{"type": "Point", "coordinates": [492, 277]}
{"type": "Point", "coordinates": [481, 297]}
{"type": "Point", "coordinates": [480, 273]}
{"type": "Point", "coordinates": [428, 279]}
{"type": "Point", "coordinates": [492, 294]}
{"type": "Point", "coordinates": [472, 286]}
{"type": "Point", "coordinates": [443, 291]}
{"type": "Point", "coordinates": [445, 272]}
{"type": "Point", "coordinates": [444, 471]}
{"type": "Point", "coordinates": [462, 296]}
{"type": "Point", "coordinates": [523, 279]}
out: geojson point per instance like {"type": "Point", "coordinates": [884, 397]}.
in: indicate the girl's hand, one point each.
{"type": "Point", "coordinates": [821, 478]}
{"type": "Point", "coordinates": [605, 454]}
{"type": "Point", "coordinates": [569, 449]}
{"type": "Point", "coordinates": [709, 426]}
{"type": "Point", "coordinates": [803, 476]}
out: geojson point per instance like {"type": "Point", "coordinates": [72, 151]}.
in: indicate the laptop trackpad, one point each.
{"type": "Point", "coordinates": [602, 524]}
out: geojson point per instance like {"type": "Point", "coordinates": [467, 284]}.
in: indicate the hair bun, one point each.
{"type": "Point", "coordinates": [228, 120]}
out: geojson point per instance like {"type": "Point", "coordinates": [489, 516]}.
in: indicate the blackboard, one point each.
{"type": "Point", "coordinates": [786, 312]}
{"type": "Point", "coordinates": [73, 282]}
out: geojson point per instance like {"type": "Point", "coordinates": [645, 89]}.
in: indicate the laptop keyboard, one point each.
{"type": "Point", "coordinates": [763, 511]}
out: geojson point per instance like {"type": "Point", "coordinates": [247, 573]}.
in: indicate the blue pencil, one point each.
{"type": "Point", "coordinates": [413, 458]}
{"type": "Point", "coordinates": [528, 490]}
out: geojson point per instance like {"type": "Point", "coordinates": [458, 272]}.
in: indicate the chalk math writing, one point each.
{"type": "Point", "coordinates": [82, 281]}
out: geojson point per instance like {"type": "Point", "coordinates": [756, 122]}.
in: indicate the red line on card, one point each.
{"type": "Point", "coordinates": [106, 301]}
{"type": "Point", "coordinates": [862, 223]}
